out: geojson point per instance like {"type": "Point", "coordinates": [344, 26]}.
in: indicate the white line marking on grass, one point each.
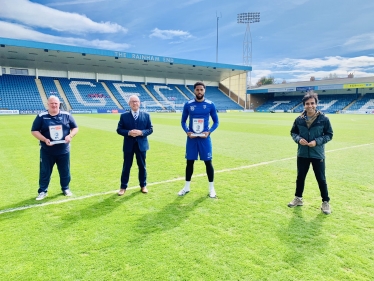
{"type": "Point", "coordinates": [349, 147]}
{"type": "Point", "coordinates": [166, 181]}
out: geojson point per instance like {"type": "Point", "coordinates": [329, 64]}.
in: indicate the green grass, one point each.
{"type": "Point", "coordinates": [249, 233]}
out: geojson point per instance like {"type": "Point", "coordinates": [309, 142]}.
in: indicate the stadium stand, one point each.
{"type": "Point", "coordinates": [221, 101]}
{"type": "Point", "coordinates": [364, 103]}
{"type": "Point", "coordinates": [186, 91]}
{"type": "Point", "coordinates": [87, 94]}
{"type": "Point", "coordinates": [50, 87]}
{"type": "Point", "coordinates": [284, 103]}
{"type": "Point", "coordinates": [331, 103]}
{"type": "Point", "coordinates": [168, 95]}
{"type": "Point", "coordinates": [19, 92]}
{"type": "Point", "coordinates": [327, 103]}
{"type": "Point", "coordinates": [123, 90]}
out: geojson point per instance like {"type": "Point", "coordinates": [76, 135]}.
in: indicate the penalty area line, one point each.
{"type": "Point", "coordinates": [165, 181]}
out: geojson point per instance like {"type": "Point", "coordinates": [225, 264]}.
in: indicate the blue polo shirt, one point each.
{"type": "Point", "coordinates": [62, 124]}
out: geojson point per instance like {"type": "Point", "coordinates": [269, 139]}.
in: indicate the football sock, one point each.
{"type": "Point", "coordinates": [187, 186]}
{"type": "Point", "coordinates": [211, 187]}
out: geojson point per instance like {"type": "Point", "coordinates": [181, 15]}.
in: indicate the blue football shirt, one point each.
{"type": "Point", "coordinates": [199, 114]}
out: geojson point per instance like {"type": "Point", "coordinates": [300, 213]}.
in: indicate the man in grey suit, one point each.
{"type": "Point", "coordinates": [134, 126]}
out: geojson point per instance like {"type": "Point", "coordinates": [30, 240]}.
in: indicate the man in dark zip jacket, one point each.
{"type": "Point", "coordinates": [311, 130]}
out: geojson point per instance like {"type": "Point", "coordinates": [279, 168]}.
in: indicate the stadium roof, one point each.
{"type": "Point", "coordinates": [37, 55]}
{"type": "Point", "coordinates": [328, 84]}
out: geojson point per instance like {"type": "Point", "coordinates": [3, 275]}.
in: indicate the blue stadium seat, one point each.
{"type": "Point", "coordinates": [87, 94]}
{"type": "Point", "coordinates": [19, 92]}
{"type": "Point", "coordinates": [221, 101]}
{"type": "Point", "coordinates": [364, 103]}
{"type": "Point", "coordinates": [123, 90]}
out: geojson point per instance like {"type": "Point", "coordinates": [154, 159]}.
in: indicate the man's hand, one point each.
{"type": "Point", "coordinates": [135, 133]}
{"type": "Point", "coordinates": [206, 134]}
{"type": "Point", "coordinates": [303, 142]}
{"type": "Point", "coordinates": [68, 138]}
{"type": "Point", "coordinates": [48, 142]}
{"type": "Point", "coordinates": [189, 134]}
{"type": "Point", "coordinates": [312, 143]}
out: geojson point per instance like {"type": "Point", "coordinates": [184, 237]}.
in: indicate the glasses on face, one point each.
{"type": "Point", "coordinates": [310, 103]}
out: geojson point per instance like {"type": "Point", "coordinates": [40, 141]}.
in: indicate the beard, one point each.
{"type": "Point", "coordinates": [199, 97]}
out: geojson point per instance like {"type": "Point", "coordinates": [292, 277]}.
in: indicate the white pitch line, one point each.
{"type": "Point", "coordinates": [165, 181]}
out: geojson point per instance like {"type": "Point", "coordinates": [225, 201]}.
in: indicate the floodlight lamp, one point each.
{"type": "Point", "coordinates": [248, 17]}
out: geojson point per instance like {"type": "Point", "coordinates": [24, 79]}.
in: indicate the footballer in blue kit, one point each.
{"type": "Point", "coordinates": [55, 130]}
{"type": "Point", "coordinates": [199, 144]}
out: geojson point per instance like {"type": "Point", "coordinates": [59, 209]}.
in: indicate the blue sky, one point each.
{"type": "Point", "coordinates": [294, 40]}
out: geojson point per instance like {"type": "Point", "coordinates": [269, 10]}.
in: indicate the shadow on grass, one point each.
{"type": "Point", "coordinates": [303, 238]}
{"type": "Point", "coordinates": [171, 216]}
{"type": "Point", "coordinates": [101, 208]}
{"type": "Point", "coordinates": [26, 204]}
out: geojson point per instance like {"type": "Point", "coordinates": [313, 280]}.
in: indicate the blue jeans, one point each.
{"type": "Point", "coordinates": [318, 165]}
{"type": "Point", "coordinates": [47, 162]}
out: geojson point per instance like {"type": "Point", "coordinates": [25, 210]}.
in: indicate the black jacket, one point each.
{"type": "Point", "coordinates": [320, 131]}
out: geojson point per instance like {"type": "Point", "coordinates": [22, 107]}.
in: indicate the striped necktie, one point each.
{"type": "Point", "coordinates": [135, 116]}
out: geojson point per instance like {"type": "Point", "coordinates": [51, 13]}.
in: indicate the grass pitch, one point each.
{"type": "Point", "coordinates": [249, 233]}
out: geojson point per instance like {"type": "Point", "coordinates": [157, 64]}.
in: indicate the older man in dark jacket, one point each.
{"type": "Point", "coordinates": [134, 126]}
{"type": "Point", "coordinates": [311, 130]}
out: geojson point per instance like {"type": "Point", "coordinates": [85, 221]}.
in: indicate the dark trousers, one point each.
{"type": "Point", "coordinates": [127, 163]}
{"type": "Point", "coordinates": [318, 165]}
{"type": "Point", "coordinates": [208, 167]}
{"type": "Point", "coordinates": [47, 162]}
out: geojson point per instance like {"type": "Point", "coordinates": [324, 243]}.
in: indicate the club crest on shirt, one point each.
{"type": "Point", "coordinates": [204, 106]}
{"type": "Point", "coordinates": [192, 107]}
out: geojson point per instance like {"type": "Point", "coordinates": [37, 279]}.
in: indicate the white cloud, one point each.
{"type": "Point", "coordinates": [258, 74]}
{"type": "Point", "coordinates": [331, 62]}
{"type": "Point", "coordinates": [37, 15]}
{"type": "Point", "coordinates": [360, 42]}
{"type": "Point", "coordinates": [16, 31]}
{"type": "Point", "coordinates": [170, 34]}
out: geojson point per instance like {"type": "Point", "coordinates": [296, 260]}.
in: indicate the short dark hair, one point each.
{"type": "Point", "coordinates": [310, 95]}
{"type": "Point", "coordinates": [199, 84]}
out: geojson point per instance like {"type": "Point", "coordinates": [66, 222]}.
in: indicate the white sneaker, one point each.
{"type": "Point", "coordinates": [67, 192]}
{"type": "Point", "coordinates": [212, 194]}
{"type": "Point", "coordinates": [41, 196]}
{"type": "Point", "coordinates": [183, 192]}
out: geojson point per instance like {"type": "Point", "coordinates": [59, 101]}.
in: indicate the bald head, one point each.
{"type": "Point", "coordinates": [54, 98]}
{"type": "Point", "coordinates": [53, 105]}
